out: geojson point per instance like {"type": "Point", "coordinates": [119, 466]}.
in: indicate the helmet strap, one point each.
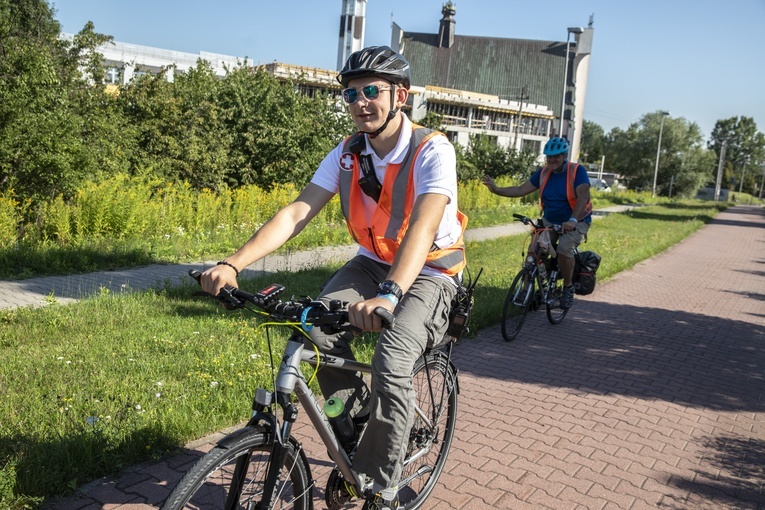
{"type": "Point", "coordinates": [391, 114]}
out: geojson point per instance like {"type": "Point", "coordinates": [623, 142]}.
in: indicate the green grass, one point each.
{"type": "Point", "coordinates": [127, 222]}
{"type": "Point", "coordinates": [117, 379]}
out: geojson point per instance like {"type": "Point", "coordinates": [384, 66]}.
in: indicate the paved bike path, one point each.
{"type": "Point", "coordinates": [651, 394]}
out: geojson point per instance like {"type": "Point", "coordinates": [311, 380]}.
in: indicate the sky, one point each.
{"type": "Point", "coordinates": [699, 60]}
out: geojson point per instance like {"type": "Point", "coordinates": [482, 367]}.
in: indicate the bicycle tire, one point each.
{"type": "Point", "coordinates": [429, 445]}
{"type": "Point", "coordinates": [209, 482]}
{"type": "Point", "coordinates": [517, 304]}
{"type": "Point", "coordinates": [555, 313]}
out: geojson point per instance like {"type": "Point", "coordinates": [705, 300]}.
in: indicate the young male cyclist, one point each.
{"type": "Point", "coordinates": [398, 192]}
{"type": "Point", "coordinates": [565, 200]}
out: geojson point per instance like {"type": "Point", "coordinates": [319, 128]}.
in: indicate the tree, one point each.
{"type": "Point", "coordinates": [279, 134]}
{"type": "Point", "coordinates": [484, 156]}
{"type": "Point", "coordinates": [744, 155]}
{"type": "Point", "coordinates": [684, 164]}
{"type": "Point", "coordinates": [44, 135]}
{"type": "Point", "coordinates": [593, 139]}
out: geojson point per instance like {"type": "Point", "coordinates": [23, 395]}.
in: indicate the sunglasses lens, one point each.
{"type": "Point", "coordinates": [350, 96]}
{"type": "Point", "coordinates": [371, 92]}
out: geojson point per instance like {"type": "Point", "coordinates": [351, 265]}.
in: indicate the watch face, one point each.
{"type": "Point", "coordinates": [389, 287]}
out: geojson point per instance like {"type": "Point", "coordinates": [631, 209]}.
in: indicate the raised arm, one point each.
{"type": "Point", "coordinates": [510, 191]}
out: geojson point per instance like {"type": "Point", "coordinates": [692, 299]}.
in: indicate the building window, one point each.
{"type": "Point", "coordinates": [113, 76]}
{"type": "Point", "coordinates": [533, 146]}
{"type": "Point", "coordinates": [452, 115]}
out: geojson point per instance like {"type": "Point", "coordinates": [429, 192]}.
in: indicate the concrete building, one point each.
{"type": "Point", "coordinates": [512, 70]}
{"type": "Point", "coordinates": [125, 61]}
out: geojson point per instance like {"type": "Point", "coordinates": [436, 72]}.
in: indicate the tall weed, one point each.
{"type": "Point", "coordinates": [9, 220]}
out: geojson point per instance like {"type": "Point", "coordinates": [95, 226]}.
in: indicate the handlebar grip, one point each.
{"type": "Point", "coordinates": [518, 217]}
{"type": "Point", "coordinates": [196, 274]}
{"type": "Point", "coordinates": [389, 321]}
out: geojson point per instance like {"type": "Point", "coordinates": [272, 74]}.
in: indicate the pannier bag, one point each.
{"type": "Point", "coordinates": [586, 264]}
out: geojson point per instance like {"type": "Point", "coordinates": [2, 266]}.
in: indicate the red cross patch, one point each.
{"type": "Point", "coordinates": [346, 161]}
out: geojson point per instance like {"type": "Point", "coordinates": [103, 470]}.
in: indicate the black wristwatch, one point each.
{"type": "Point", "coordinates": [390, 287]}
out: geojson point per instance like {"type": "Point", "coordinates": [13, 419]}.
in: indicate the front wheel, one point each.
{"type": "Point", "coordinates": [555, 313]}
{"type": "Point", "coordinates": [434, 380]}
{"type": "Point", "coordinates": [517, 304]}
{"type": "Point", "coordinates": [233, 476]}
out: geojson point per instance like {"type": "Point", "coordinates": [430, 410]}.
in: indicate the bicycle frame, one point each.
{"type": "Point", "coordinates": [289, 380]}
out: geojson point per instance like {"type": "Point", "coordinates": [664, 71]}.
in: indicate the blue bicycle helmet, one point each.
{"type": "Point", "coordinates": [555, 146]}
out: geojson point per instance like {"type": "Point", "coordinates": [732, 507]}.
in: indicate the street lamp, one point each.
{"type": "Point", "coordinates": [571, 30]}
{"type": "Point", "coordinates": [658, 150]}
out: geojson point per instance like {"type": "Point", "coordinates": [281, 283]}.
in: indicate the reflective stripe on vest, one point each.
{"type": "Point", "coordinates": [390, 219]}
{"type": "Point", "coordinates": [570, 190]}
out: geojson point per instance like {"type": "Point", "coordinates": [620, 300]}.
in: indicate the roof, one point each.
{"type": "Point", "coordinates": [489, 65]}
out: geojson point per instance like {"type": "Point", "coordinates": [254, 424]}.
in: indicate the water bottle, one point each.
{"type": "Point", "coordinates": [340, 420]}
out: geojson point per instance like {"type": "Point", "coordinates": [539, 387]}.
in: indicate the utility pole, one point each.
{"type": "Point", "coordinates": [762, 183]}
{"type": "Point", "coordinates": [723, 148]}
{"type": "Point", "coordinates": [658, 150]}
{"type": "Point", "coordinates": [524, 96]}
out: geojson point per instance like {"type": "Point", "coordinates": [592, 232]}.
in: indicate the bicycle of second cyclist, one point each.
{"type": "Point", "coordinates": [538, 283]}
{"type": "Point", "coordinates": [263, 465]}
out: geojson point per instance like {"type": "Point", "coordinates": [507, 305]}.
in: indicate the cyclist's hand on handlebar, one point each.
{"type": "Point", "coordinates": [568, 226]}
{"type": "Point", "coordinates": [362, 314]}
{"type": "Point", "coordinates": [217, 277]}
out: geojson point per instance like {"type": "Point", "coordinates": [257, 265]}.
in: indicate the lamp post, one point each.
{"type": "Point", "coordinates": [658, 150]}
{"type": "Point", "coordinates": [720, 163]}
{"type": "Point", "coordinates": [571, 30]}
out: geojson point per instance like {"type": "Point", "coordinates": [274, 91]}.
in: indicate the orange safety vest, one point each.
{"type": "Point", "coordinates": [390, 219]}
{"type": "Point", "coordinates": [570, 190]}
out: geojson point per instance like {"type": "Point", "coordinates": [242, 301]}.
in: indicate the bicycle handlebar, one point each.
{"type": "Point", "coordinates": [528, 221]}
{"type": "Point", "coordinates": [331, 318]}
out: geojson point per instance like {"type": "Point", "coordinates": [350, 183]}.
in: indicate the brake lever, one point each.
{"type": "Point", "coordinates": [227, 299]}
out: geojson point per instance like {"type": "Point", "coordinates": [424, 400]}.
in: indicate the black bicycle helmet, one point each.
{"type": "Point", "coordinates": [376, 61]}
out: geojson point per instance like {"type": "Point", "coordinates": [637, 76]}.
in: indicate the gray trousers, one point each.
{"type": "Point", "coordinates": [422, 317]}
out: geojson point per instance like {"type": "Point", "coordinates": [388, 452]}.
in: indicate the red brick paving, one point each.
{"type": "Point", "coordinates": [651, 394]}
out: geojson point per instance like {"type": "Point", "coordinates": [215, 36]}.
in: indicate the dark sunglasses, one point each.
{"type": "Point", "coordinates": [371, 92]}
